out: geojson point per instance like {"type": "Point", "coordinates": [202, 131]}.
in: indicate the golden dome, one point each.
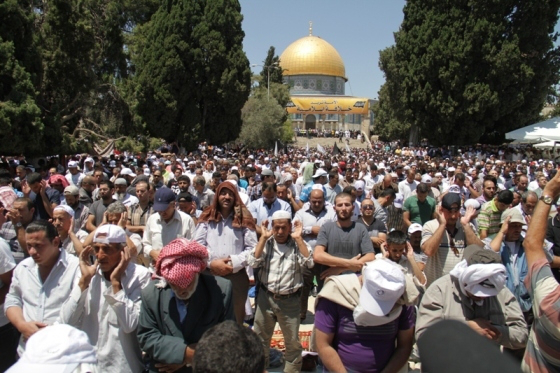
{"type": "Point", "coordinates": [312, 55]}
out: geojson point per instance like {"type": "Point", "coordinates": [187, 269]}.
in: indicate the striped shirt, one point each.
{"type": "Point", "coordinates": [543, 349]}
{"type": "Point", "coordinates": [281, 266]}
{"type": "Point", "coordinates": [489, 218]}
{"type": "Point", "coordinates": [445, 259]}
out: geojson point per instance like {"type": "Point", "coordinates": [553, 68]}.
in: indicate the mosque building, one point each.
{"type": "Point", "coordinates": [315, 73]}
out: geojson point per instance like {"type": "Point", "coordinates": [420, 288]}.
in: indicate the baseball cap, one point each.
{"type": "Point", "coordinates": [89, 159]}
{"type": "Point", "coordinates": [320, 172]}
{"type": "Point", "coordinates": [109, 233]}
{"type": "Point", "coordinates": [359, 185]}
{"type": "Point", "coordinates": [71, 190]}
{"type": "Point", "coordinates": [475, 254]}
{"type": "Point", "coordinates": [162, 199]}
{"type": "Point", "coordinates": [451, 199]}
{"type": "Point", "coordinates": [384, 284]}
{"type": "Point", "coordinates": [267, 172]}
{"type": "Point", "coordinates": [398, 202]}
{"type": "Point", "coordinates": [126, 171]}
{"type": "Point", "coordinates": [451, 169]}
{"type": "Point", "coordinates": [112, 164]}
{"type": "Point", "coordinates": [414, 227]}
{"type": "Point", "coordinates": [184, 197]}
{"type": "Point", "coordinates": [146, 171]}
{"type": "Point", "coordinates": [72, 164]}
{"type": "Point", "coordinates": [54, 349]}
{"type": "Point", "coordinates": [426, 179]}
{"type": "Point", "coordinates": [514, 214]}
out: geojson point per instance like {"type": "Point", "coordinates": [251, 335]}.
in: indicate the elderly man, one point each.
{"type": "Point", "coordinates": [444, 238]}
{"type": "Point", "coordinates": [179, 306]}
{"type": "Point", "coordinates": [474, 292]}
{"type": "Point", "coordinates": [106, 302]}
{"type": "Point", "coordinates": [122, 195]}
{"type": "Point", "coordinates": [81, 212]}
{"type": "Point", "coordinates": [280, 254]}
{"type": "Point", "coordinates": [364, 324]}
{"type": "Point", "coordinates": [40, 283]}
{"type": "Point", "coordinates": [62, 221]}
{"type": "Point", "coordinates": [227, 229]}
{"type": "Point", "coordinates": [166, 225]}
{"type": "Point", "coordinates": [386, 183]}
{"type": "Point", "coordinates": [205, 196]}
{"type": "Point", "coordinates": [526, 207]}
{"type": "Point", "coordinates": [312, 216]}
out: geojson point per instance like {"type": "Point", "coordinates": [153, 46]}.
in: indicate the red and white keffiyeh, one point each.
{"type": "Point", "coordinates": [180, 260]}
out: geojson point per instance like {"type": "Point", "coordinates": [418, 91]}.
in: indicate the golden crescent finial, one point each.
{"type": "Point", "coordinates": [310, 28]}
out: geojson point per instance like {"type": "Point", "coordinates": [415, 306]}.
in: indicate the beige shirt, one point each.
{"type": "Point", "coordinates": [444, 260]}
{"type": "Point", "coordinates": [158, 233]}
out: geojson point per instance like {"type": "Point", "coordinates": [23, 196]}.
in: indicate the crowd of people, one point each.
{"type": "Point", "coordinates": [151, 257]}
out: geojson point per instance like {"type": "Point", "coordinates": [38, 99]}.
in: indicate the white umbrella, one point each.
{"type": "Point", "coordinates": [543, 131]}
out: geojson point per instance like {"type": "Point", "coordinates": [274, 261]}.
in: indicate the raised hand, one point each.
{"type": "Point", "coordinates": [469, 214]}
{"type": "Point", "coordinates": [298, 230]}
{"type": "Point", "coordinates": [265, 232]}
{"type": "Point", "coordinates": [87, 268]}
{"type": "Point", "coordinates": [439, 215]}
{"type": "Point", "coordinates": [119, 270]}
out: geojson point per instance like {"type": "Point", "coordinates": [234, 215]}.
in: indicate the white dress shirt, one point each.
{"type": "Point", "coordinates": [109, 319]}
{"type": "Point", "coordinates": [158, 233]}
{"type": "Point", "coordinates": [42, 301]}
{"type": "Point", "coordinates": [222, 240]}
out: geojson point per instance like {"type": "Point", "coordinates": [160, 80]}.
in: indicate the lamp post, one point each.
{"type": "Point", "coordinates": [275, 66]}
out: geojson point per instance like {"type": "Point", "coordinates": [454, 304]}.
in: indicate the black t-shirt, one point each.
{"type": "Point", "coordinates": [374, 229]}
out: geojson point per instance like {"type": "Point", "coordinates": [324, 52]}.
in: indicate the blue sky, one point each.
{"type": "Point", "coordinates": [357, 29]}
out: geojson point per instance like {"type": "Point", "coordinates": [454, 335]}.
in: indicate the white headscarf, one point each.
{"type": "Point", "coordinates": [481, 280]}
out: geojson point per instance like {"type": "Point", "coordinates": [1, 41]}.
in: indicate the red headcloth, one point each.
{"type": "Point", "coordinates": [180, 260]}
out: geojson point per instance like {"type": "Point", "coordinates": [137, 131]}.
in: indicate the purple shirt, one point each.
{"type": "Point", "coordinates": [361, 348]}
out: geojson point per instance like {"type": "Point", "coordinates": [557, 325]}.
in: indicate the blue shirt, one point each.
{"type": "Point", "coordinates": [262, 212]}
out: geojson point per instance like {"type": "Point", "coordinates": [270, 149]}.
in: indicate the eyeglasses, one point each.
{"type": "Point", "coordinates": [453, 247]}
{"type": "Point", "coordinates": [368, 207]}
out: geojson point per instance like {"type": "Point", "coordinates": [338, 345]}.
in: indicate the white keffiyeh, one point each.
{"type": "Point", "coordinates": [480, 280]}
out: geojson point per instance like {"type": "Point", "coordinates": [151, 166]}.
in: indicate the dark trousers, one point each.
{"type": "Point", "coordinates": [308, 275]}
{"type": "Point", "coordinates": [240, 289]}
{"type": "Point", "coordinates": [9, 337]}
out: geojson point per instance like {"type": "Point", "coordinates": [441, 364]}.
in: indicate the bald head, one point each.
{"type": "Point", "coordinates": [89, 183]}
{"type": "Point", "coordinates": [317, 193]}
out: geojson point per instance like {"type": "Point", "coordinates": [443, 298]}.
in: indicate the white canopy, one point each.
{"type": "Point", "coordinates": [548, 130]}
{"type": "Point", "coordinates": [548, 144]}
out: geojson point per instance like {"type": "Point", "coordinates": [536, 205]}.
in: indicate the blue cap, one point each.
{"type": "Point", "coordinates": [164, 196]}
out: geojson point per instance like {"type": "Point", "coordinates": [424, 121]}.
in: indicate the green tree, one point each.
{"type": "Point", "coordinates": [271, 62]}
{"type": "Point", "coordinates": [199, 90]}
{"type": "Point", "coordinates": [263, 121]}
{"type": "Point", "coordinates": [471, 67]}
{"type": "Point", "coordinates": [20, 117]}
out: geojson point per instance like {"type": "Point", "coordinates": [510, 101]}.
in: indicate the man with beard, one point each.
{"type": "Point", "coordinates": [106, 302]}
{"type": "Point", "coordinates": [81, 212]}
{"type": "Point", "coordinates": [180, 306]}
{"type": "Point", "coordinates": [121, 194]}
{"type": "Point", "coordinates": [98, 208]}
{"type": "Point", "coordinates": [489, 185]}
{"type": "Point", "coordinates": [227, 229]}
{"type": "Point", "coordinates": [342, 246]}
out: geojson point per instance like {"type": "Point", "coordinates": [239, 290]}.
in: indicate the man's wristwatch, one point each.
{"type": "Point", "coordinates": [546, 199]}
{"type": "Point", "coordinates": [18, 225]}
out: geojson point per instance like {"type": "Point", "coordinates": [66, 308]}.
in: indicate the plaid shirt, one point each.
{"type": "Point", "coordinates": [281, 266]}
{"type": "Point", "coordinates": [137, 216]}
{"type": "Point", "coordinates": [8, 232]}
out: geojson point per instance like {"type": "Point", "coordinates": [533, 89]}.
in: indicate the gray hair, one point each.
{"type": "Point", "coordinates": [116, 207]}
